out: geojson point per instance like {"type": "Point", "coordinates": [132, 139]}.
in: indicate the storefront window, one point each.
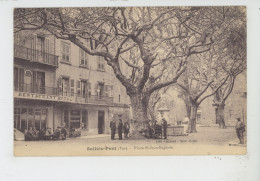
{"type": "Point", "coordinates": [85, 119]}
{"type": "Point", "coordinates": [66, 118]}
{"type": "Point", "coordinates": [25, 118]}
{"type": "Point", "coordinates": [30, 118]}
{"type": "Point", "coordinates": [75, 119]}
{"type": "Point", "coordinates": [37, 119]}
{"type": "Point", "coordinates": [17, 118]}
{"type": "Point", "coordinates": [43, 118]}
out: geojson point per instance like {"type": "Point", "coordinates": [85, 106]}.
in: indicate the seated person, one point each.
{"type": "Point", "coordinates": [30, 135]}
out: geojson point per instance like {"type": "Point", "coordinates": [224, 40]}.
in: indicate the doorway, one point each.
{"type": "Point", "coordinates": [101, 122]}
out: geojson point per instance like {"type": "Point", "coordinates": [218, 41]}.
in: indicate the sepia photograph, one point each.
{"type": "Point", "coordinates": [130, 81]}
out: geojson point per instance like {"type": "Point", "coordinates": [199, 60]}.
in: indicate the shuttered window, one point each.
{"type": "Point", "coordinates": [83, 58]}
{"type": "Point", "coordinates": [72, 87]}
{"type": "Point", "coordinates": [89, 88]}
{"type": "Point", "coordinates": [101, 64]}
{"type": "Point", "coordinates": [78, 88]}
{"type": "Point", "coordinates": [65, 52]}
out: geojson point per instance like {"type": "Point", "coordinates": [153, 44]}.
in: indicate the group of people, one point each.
{"type": "Point", "coordinates": [156, 130]}
{"type": "Point", "coordinates": [121, 128]}
{"type": "Point", "coordinates": [45, 134]}
{"type": "Point", "coordinates": [33, 135]}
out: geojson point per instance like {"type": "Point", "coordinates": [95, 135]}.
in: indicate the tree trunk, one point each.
{"type": "Point", "coordinates": [139, 109]}
{"type": "Point", "coordinates": [220, 115]}
{"type": "Point", "coordinates": [151, 113]}
{"type": "Point", "coordinates": [192, 122]}
{"type": "Point", "coordinates": [188, 109]}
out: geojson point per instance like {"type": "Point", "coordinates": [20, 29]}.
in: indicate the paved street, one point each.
{"type": "Point", "coordinates": [208, 140]}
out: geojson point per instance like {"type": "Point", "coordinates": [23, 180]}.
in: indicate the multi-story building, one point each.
{"type": "Point", "coordinates": [56, 83]}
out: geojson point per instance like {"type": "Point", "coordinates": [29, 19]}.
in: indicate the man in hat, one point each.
{"type": "Point", "coordinates": [113, 129]}
{"type": "Point", "coordinates": [120, 129]}
{"type": "Point", "coordinates": [240, 129]}
{"type": "Point", "coordinates": [164, 126]}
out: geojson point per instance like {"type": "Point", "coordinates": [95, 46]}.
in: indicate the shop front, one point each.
{"type": "Point", "coordinates": [33, 114]}
{"type": "Point", "coordinates": [89, 118]}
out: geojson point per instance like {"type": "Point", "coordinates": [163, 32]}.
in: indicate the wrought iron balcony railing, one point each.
{"type": "Point", "coordinates": [78, 98]}
{"type": "Point", "coordinates": [35, 55]}
{"type": "Point", "coordinates": [35, 89]}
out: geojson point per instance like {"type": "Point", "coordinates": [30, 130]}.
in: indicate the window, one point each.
{"type": "Point", "coordinates": [38, 82]}
{"type": "Point", "coordinates": [100, 90]}
{"type": "Point", "coordinates": [83, 58]}
{"type": "Point", "coordinates": [64, 88]}
{"type": "Point", "coordinates": [65, 52]}
{"type": "Point", "coordinates": [17, 38]}
{"type": "Point", "coordinates": [83, 88]}
{"type": "Point", "coordinates": [75, 119]}
{"type": "Point", "coordinates": [24, 118]}
{"type": "Point", "coordinates": [84, 119]}
{"type": "Point", "coordinates": [101, 64]}
{"type": "Point", "coordinates": [18, 79]}
{"type": "Point", "coordinates": [84, 91]}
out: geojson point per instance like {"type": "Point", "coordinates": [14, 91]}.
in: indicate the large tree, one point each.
{"type": "Point", "coordinates": [143, 38]}
{"type": "Point", "coordinates": [217, 67]}
{"type": "Point", "coordinates": [232, 61]}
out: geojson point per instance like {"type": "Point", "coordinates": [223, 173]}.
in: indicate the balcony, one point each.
{"type": "Point", "coordinates": [35, 56]}
{"type": "Point", "coordinates": [53, 94]}
{"type": "Point", "coordinates": [28, 88]}
{"type": "Point", "coordinates": [93, 99]}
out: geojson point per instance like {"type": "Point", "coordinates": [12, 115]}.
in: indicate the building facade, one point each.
{"type": "Point", "coordinates": [58, 84]}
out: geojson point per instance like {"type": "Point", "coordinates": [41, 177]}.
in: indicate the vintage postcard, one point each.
{"type": "Point", "coordinates": [130, 81]}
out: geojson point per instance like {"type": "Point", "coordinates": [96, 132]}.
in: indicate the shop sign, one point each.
{"type": "Point", "coordinates": [43, 97]}
{"type": "Point", "coordinates": [28, 73]}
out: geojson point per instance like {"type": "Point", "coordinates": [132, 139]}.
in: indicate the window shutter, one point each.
{"type": "Point", "coordinates": [72, 87]}
{"type": "Point", "coordinates": [34, 42]}
{"type": "Point", "coordinates": [89, 88]}
{"type": "Point", "coordinates": [78, 88]}
{"type": "Point", "coordinates": [59, 85]}
{"type": "Point", "coordinates": [47, 49]}
{"type": "Point", "coordinates": [96, 89]}
{"type": "Point", "coordinates": [106, 90]}
{"type": "Point", "coordinates": [33, 47]}
{"type": "Point", "coordinates": [47, 45]}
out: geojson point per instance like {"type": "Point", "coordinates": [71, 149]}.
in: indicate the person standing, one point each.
{"type": "Point", "coordinates": [164, 126]}
{"type": "Point", "coordinates": [240, 129]}
{"type": "Point", "coordinates": [150, 129]}
{"type": "Point", "coordinates": [113, 129]}
{"type": "Point", "coordinates": [120, 129]}
{"type": "Point", "coordinates": [126, 129]}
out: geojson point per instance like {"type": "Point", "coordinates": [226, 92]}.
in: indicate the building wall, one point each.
{"type": "Point", "coordinates": [72, 70]}
{"type": "Point", "coordinates": [49, 72]}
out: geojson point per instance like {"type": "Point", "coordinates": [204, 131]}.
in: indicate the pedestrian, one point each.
{"type": "Point", "coordinates": [120, 129]}
{"type": "Point", "coordinates": [113, 129]}
{"type": "Point", "coordinates": [240, 129]}
{"type": "Point", "coordinates": [164, 126]}
{"type": "Point", "coordinates": [150, 125]}
{"type": "Point", "coordinates": [126, 129]}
